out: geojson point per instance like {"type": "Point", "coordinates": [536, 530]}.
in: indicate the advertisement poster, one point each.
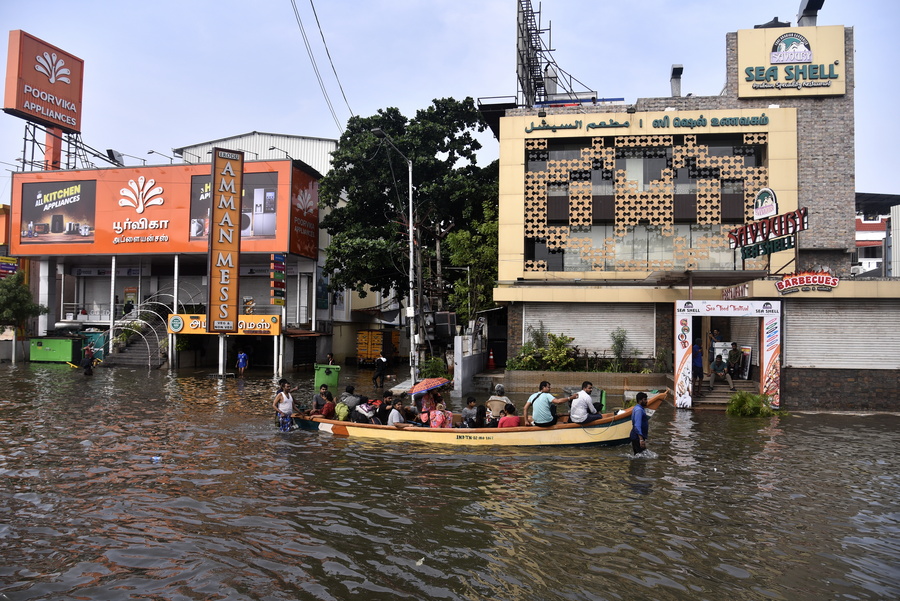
{"type": "Point", "coordinates": [258, 206]}
{"type": "Point", "coordinates": [321, 289]}
{"type": "Point", "coordinates": [58, 212]}
{"type": "Point", "coordinates": [304, 238]}
{"type": "Point", "coordinates": [746, 352]}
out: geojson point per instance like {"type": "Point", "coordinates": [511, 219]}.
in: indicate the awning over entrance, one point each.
{"type": "Point", "coordinates": [290, 333]}
{"type": "Point", "coordinates": [704, 278]}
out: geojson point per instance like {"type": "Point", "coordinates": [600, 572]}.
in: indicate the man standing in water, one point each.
{"type": "Point", "coordinates": [242, 361]}
{"type": "Point", "coordinates": [640, 424]}
{"type": "Point", "coordinates": [380, 369]}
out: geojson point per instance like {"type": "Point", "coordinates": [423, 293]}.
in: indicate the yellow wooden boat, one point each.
{"type": "Point", "coordinates": [613, 429]}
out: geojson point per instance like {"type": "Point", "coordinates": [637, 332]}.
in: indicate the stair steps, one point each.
{"type": "Point", "coordinates": [717, 400]}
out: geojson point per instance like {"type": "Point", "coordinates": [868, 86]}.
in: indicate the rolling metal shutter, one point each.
{"type": "Point", "coordinates": [590, 324]}
{"type": "Point", "coordinates": [842, 334]}
{"type": "Point", "coordinates": [745, 331]}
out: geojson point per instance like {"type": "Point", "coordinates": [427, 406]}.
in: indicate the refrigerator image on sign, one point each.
{"type": "Point", "coordinates": [264, 212]}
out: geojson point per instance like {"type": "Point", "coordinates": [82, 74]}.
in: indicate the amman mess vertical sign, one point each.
{"type": "Point", "coordinates": [225, 241]}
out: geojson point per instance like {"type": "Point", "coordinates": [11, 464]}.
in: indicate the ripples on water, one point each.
{"type": "Point", "coordinates": [803, 507]}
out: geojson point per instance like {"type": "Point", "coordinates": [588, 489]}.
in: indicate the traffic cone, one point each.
{"type": "Point", "coordinates": [491, 364]}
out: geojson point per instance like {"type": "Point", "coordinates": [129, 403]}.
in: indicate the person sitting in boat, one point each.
{"type": "Point", "coordinates": [411, 414]}
{"type": "Point", "coordinates": [497, 401]}
{"type": "Point", "coordinates": [319, 399]}
{"type": "Point", "coordinates": [468, 413]}
{"type": "Point", "coordinates": [384, 407]}
{"type": "Point", "coordinates": [395, 418]}
{"type": "Point", "coordinates": [327, 409]}
{"type": "Point", "coordinates": [427, 402]}
{"type": "Point", "coordinates": [720, 370]}
{"type": "Point", "coordinates": [480, 420]}
{"type": "Point", "coordinates": [364, 412]}
{"type": "Point", "coordinates": [350, 398]}
{"type": "Point", "coordinates": [583, 410]}
{"type": "Point", "coordinates": [440, 417]}
{"type": "Point", "coordinates": [499, 395]}
{"type": "Point", "coordinates": [510, 420]}
{"type": "Point", "coordinates": [544, 403]}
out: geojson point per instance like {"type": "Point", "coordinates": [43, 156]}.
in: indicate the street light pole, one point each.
{"type": "Point", "coordinates": [171, 160]}
{"type": "Point", "coordinates": [411, 305]}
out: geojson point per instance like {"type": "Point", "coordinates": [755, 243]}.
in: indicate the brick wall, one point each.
{"type": "Point", "coordinates": [840, 389]}
{"type": "Point", "coordinates": [514, 325]}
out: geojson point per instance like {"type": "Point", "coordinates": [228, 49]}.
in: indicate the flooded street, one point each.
{"type": "Point", "coordinates": [137, 485]}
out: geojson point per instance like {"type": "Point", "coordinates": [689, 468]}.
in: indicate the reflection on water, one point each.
{"type": "Point", "coordinates": [803, 507]}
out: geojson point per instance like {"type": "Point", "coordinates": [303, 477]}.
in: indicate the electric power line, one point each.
{"type": "Point", "coordinates": [328, 53]}
{"type": "Point", "coordinates": [315, 67]}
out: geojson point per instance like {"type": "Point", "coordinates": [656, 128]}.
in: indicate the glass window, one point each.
{"type": "Point", "coordinates": [557, 204]}
{"type": "Point", "coordinates": [564, 150]}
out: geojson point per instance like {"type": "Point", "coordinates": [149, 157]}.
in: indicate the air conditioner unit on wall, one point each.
{"type": "Point", "coordinates": [856, 270]}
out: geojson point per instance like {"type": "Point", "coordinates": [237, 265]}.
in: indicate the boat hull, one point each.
{"type": "Point", "coordinates": [611, 430]}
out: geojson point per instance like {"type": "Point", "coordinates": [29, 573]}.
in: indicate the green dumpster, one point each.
{"type": "Point", "coordinates": [98, 338]}
{"type": "Point", "coordinates": [328, 375]}
{"type": "Point", "coordinates": [56, 350]}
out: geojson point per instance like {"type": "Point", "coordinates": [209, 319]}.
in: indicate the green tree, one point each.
{"type": "Point", "coordinates": [16, 303]}
{"type": "Point", "coordinates": [366, 192]}
{"type": "Point", "coordinates": [475, 247]}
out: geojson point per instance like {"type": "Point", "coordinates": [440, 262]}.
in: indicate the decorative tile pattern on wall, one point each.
{"type": "Point", "coordinates": [653, 205]}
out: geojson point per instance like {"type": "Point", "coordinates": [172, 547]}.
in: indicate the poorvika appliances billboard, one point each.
{"type": "Point", "coordinates": [143, 210]}
{"type": "Point", "coordinates": [43, 83]}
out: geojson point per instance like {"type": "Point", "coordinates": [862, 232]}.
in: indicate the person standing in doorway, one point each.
{"type": "Point", "coordinates": [714, 337]}
{"type": "Point", "coordinates": [242, 361]}
{"type": "Point", "coordinates": [640, 424]}
{"type": "Point", "coordinates": [128, 308]}
{"type": "Point", "coordinates": [697, 367]}
{"type": "Point", "coordinates": [735, 358]}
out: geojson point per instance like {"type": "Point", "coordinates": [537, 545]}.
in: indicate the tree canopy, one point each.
{"type": "Point", "coordinates": [366, 194]}
{"type": "Point", "coordinates": [16, 303]}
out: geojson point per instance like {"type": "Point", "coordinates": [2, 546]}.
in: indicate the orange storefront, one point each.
{"type": "Point", "coordinates": [143, 233]}
{"type": "Point", "coordinates": [159, 210]}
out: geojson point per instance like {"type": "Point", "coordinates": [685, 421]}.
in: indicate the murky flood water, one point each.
{"type": "Point", "coordinates": [136, 485]}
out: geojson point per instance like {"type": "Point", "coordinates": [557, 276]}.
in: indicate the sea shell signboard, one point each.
{"type": "Point", "coordinates": [769, 314]}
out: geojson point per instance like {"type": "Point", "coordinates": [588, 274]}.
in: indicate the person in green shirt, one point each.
{"type": "Point", "coordinates": [734, 360]}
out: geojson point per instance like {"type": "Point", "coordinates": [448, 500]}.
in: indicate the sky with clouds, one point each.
{"type": "Point", "coordinates": [155, 77]}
